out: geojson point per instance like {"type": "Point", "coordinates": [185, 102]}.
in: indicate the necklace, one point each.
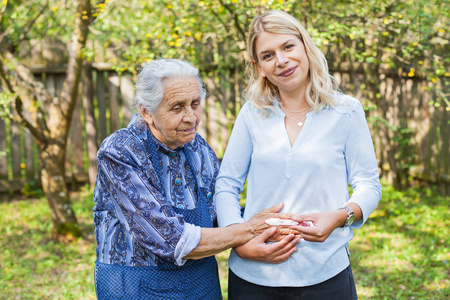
{"type": "Point", "coordinates": [300, 122]}
{"type": "Point", "coordinates": [293, 111]}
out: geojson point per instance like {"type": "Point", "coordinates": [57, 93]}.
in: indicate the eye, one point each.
{"type": "Point", "coordinates": [290, 46]}
{"type": "Point", "coordinates": [195, 103]}
{"type": "Point", "coordinates": [267, 56]}
{"type": "Point", "coordinates": [176, 108]}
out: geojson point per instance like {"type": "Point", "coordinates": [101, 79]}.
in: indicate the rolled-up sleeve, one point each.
{"type": "Point", "coordinates": [362, 168]}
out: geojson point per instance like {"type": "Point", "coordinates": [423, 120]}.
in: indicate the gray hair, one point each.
{"type": "Point", "coordinates": [149, 85]}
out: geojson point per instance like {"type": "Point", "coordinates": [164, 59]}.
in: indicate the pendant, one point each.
{"type": "Point", "coordinates": [300, 124]}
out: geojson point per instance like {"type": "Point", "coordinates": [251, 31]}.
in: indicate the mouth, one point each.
{"type": "Point", "coordinates": [188, 130]}
{"type": "Point", "coordinates": [287, 72]}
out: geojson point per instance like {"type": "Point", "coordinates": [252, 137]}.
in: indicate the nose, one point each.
{"type": "Point", "coordinates": [282, 59]}
{"type": "Point", "coordinates": [189, 116]}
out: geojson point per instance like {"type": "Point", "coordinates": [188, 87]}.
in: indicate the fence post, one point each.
{"type": "Point", "coordinates": [30, 155]}
{"type": "Point", "coordinates": [114, 101]}
{"type": "Point", "coordinates": [15, 150]}
{"type": "Point", "coordinates": [89, 117]}
{"type": "Point", "coordinates": [101, 103]}
{"type": "Point", "coordinates": [127, 92]}
{"type": "Point", "coordinates": [77, 144]}
{"type": "Point", "coordinates": [3, 157]}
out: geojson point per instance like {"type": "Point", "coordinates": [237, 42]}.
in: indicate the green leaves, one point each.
{"type": "Point", "coordinates": [6, 98]}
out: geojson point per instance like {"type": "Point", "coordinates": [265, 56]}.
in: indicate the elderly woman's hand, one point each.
{"type": "Point", "coordinates": [257, 225]}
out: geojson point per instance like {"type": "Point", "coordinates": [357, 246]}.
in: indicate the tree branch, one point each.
{"type": "Point", "coordinates": [24, 35]}
{"type": "Point", "coordinates": [220, 20]}
{"type": "Point", "coordinates": [96, 18]}
{"type": "Point", "coordinates": [235, 18]}
{"type": "Point", "coordinates": [18, 104]}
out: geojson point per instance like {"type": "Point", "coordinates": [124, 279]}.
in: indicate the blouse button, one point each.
{"type": "Point", "coordinates": [178, 181]}
{"type": "Point", "coordinates": [172, 154]}
{"type": "Point", "coordinates": [209, 195]}
{"type": "Point", "coordinates": [180, 206]}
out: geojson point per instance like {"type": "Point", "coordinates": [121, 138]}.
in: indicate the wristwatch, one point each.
{"type": "Point", "coordinates": [350, 216]}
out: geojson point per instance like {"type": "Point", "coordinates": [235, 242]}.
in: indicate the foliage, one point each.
{"type": "Point", "coordinates": [37, 19]}
{"type": "Point", "coordinates": [6, 99]}
{"type": "Point", "coordinates": [397, 37]}
{"type": "Point", "coordinates": [404, 39]}
{"type": "Point", "coordinates": [400, 253]}
{"type": "Point", "coordinates": [32, 189]}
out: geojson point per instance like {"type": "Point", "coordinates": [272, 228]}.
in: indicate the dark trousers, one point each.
{"type": "Point", "coordinates": [339, 287]}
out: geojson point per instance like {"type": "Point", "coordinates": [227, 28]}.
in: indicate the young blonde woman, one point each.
{"type": "Point", "coordinates": [299, 141]}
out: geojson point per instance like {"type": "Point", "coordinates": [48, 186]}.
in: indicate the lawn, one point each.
{"type": "Point", "coordinates": [401, 253]}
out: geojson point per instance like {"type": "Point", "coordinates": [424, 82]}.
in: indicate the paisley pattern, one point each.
{"type": "Point", "coordinates": [137, 208]}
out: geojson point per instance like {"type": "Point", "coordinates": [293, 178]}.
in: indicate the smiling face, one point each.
{"type": "Point", "coordinates": [282, 59]}
{"type": "Point", "coordinates": [176, 120]}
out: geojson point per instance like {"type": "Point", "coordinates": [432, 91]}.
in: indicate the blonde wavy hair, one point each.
{"type": "Point", "coordinates": [321, 88]}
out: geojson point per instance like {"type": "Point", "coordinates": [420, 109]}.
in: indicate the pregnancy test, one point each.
{"type": "Point", "coordinates": [286, 222]}
{"type": "Point", "coordinates": [280, 222]}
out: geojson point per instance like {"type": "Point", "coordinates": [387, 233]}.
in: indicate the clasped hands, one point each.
{"type": "Point", "coordinates": [275, 244]}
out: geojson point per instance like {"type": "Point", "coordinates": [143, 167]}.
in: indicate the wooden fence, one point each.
{"type": "Point", "coordinates": [410, 130]}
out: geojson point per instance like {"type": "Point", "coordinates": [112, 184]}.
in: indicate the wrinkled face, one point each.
{"type": "Point", "coordinates": [282, 59]}
{"type": "Point", "coordinates": [176, 120]}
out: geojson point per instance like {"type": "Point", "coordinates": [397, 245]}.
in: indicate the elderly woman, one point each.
{"type": "Point", "coordinates": [153, 209]}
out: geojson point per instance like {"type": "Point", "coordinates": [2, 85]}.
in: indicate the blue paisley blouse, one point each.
{"type": "Point", "coordinates": [134, 216]}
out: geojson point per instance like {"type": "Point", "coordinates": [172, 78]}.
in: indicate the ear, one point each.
{"type": "Point", "coordinates": [146, 114]}
{"type": "Point", "coordinates": [261, 72]}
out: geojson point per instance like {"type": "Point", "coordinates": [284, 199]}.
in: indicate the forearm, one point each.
{"type": "Point", "coordinates": [216, 240]}
{"type": "Point", "coordinates": [325, 222]}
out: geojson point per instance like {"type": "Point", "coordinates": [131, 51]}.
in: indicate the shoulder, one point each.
{"type": "Point", "coordinates": [122, 145]}
{"type": "Point", "coordinates": [134, 134]}
{"type": "Point", "coordinates": [249, 110]}
{"type": "Point", "coordinates": [347, 104]}
{"type": "Point", "coordinates": [116, 139]}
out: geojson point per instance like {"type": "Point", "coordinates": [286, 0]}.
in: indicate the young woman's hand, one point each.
{"type": "Point", "coordinates": [258, 249]}
{"type": "Point", "coordinates": [324, 223]}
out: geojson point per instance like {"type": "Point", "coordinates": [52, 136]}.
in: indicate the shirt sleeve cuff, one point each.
{"type": "Point", "coordinates": [188, 241]}
{"type": "Point", "coordinates": [367, 198]}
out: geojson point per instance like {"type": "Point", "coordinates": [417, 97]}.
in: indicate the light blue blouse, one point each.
{"type": "Point", "coordinates": [333, 149]}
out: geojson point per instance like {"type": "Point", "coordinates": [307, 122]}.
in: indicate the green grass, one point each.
{"type": "Point", "coordinates": [401, 252]}
{"type": "Point", "coordinates": [32, 266]}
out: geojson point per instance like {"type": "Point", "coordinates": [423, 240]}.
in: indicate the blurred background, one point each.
{"type": "Point", "coordinates": [67, 70]}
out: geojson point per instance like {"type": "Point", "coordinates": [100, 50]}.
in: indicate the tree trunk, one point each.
{"type": "Point", "coordinates": [52, 159]}
{"type": "Point", "coordinates": [51, 127]}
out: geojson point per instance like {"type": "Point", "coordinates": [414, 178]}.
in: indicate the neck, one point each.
{"type": "Point", "coordinates": [293, 101]}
